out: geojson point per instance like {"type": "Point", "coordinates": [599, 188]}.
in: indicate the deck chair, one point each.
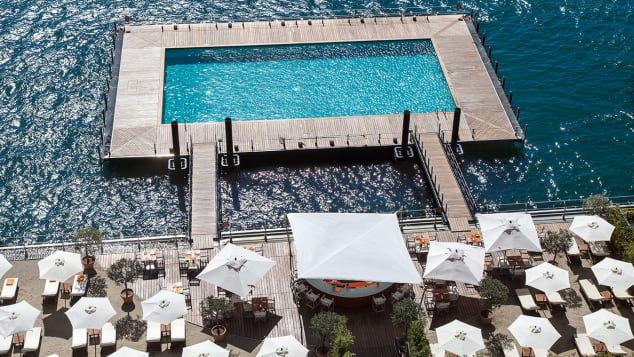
{"type": "Point", "coordinates": [573, 250]}
{"type": "Point", "coordinates": [590, 292]}
{"type": "Point", "coordinates": [584, 345]}
{"type": "Point", "coordinates": [80, 338]}
{"type": "Point", "coordinates": [108, 335]}
{"type": "Point", "coordinates": [554, 299]}
{"type": "Point", "coordinates": [511, 350]}
{"type": "Point", "coordinates": [6, 344]}
{"type": "Point", "coordinates": [526, 300]}
{"type": "Point", "coordinates": [9, 292]}
{"type": "Point", "coordinates": [622, 295]}
{"type": "Point", "coordinates": [32, 340]}
{"type": "Point", "coordinates": [51, 287]}
{"type": "Point", "coordinates": [617, 350]}
{"type": "Point", "coordinates": [153, 332]}
{"type": "Point", "coordinates": [540, 353]}
{"type": "Point", "coordinates": [178, 331]}
{"type": "Point", "coordinates": [436, 351]}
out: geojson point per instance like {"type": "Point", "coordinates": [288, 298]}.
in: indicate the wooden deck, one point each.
{"type": "Point", "coordinates": [138, 131]}
{"type": "Point", "coordinates": [203, 206]}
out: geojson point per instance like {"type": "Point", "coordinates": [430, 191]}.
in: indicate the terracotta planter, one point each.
{"type": "Point", "coordinates": [88, 262]}
{"type": "Point", "coordinates": [218, 332]}
{"type": "Point", "coordinates": [486, 316]}
{"type": "Point", "coordinates": [127, 295]}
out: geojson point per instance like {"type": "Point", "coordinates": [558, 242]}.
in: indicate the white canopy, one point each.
{"type": "Point", "coordinates": [287, 346]}
{"type": "Point", "coordinates": [351, 246]}
{"type": "Point", "coordinates": [4, 265]}
{"type": "Point", "coordinates": [60, 266]}
{"type": "Point", "coordinates": [547, 278]}
{"type": "Point", "coordinates": [502, 231]}
{"type": "Point", "coordinates": [455, 262]}
{"type": "Point", "coordinates": [17, 318]}
{"type": "Point", "coordinates": [164, 307]}
{"type": "Point", "coordinates": [205, 348]}
{"type": "Point", "coordinates": [615, 273]}
{"type": "Point", "coordinates": [128, 352]}
{"type": "Point", "coordinates": [535, 332]}
{"type": "Point", "coordinates": [90, 312]}
{"type": "Point", "coordinates": [592, 228]}
{"type": "Point", "coordinates": [460, 338]}
{"type": "Point", "coordinates": [607, 327]}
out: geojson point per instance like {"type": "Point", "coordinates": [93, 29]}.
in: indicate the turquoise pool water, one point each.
{"type": "Point", "coordinates": [303, 81]}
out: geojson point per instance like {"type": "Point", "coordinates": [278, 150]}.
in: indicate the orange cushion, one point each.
{"type": "Point", "coordinates": [10, 281]}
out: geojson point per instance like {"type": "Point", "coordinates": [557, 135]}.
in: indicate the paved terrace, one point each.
{"type": "Point", "coordinates": [137, 128]}
{"type": "Point", "coordinates": [373, 331]}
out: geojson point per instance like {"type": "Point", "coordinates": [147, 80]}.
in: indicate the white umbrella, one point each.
{"type": "Point", "coordinates": [60, 266]}
{"type": "Point", "coordinates": [4, 265]}
{"type": "Point", "coordinates": [236, 269]}
{"type": "Point", "coordinates": [615, 273]}
{"type": "Point", "coordinates": [286, 346]}
{"type": "Point", "coordinates": [90, 312]}
{"type": "Point", "coordinates": [164, 307]}
{"type": "Point", "coordinates": [454, 262]}
{"type": "Point", "coordinates": [128, 352]}
{"type": "Point", "coordinates": [17, 318]}
{"type": "Point", "coordinates": [535, 332]}
{"type": "Point", "coordinates": [547, 278]}
{"type": "Point", "coordinates": [607, 327]}
{"type": "Point", "coordinates": [206, 348]}
{"type": "Point", "coordinates": [503, 231]}
{"type": "Point", "coordinates": [459, 338]}
{"type": "Point", "coordinates": [591, 228]}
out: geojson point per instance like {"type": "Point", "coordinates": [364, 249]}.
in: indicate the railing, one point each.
{"type": "Point", "coordinates": [575, 203]}
{"type": "Point", "coordinates": [457, 172]}
{"type": "Point", "coordinates": [428, 173]}
{"type": "Point", "coordinates": [110, 95]}
{"type": "Point", "coordinates": [189, 190]}
{"type": "Point", "coordinates": [218, 192]}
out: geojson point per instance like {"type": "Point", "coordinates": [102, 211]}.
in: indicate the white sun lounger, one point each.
{"type": "Point", "coordinates": [573, 250]}
{"type": "Point", "coordinates": [622, 294]}
{"type": "Point", "coordinates": [555, 299]}
{"type": "Point", "coordinates": [177, 331]}
{"type": "Point", "coordinates": [80, 338]}
{"type": "Point", "coordinates": [79, 287]}
{"type": "Point", "coordinates": [616, 350]}
{"type": "Point", "coordinates": [5, 344]}
{"type": "Point", "coordinates": [511, 351]}
{"type": "Point", "coordinates": [32, 340]}
{"type": "Point", "coordinates": [9, 292]}
{"type": "Point", "coordinates": [108, 335]}
{"type": "Point", "coordinates": [584, 345]}
{"type": "Point", "coordinates": [436, 351]}
{"type": "Point", "coordinates": [153, 333]}
{"type": "Point", "coordinates": [526, 300]}
{"type": "Point", "coordinates": [540, 353]}
{"type": "Point", "coordinates": [590, 291]}
{"type": "Point", "coordinates": [51, 287]}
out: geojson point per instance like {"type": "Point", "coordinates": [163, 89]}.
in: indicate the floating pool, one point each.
{"type": "Point", "coordinates": [303, 81]}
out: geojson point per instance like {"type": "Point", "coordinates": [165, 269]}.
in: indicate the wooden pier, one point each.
{"type": "Point", "coordinates": [203, 195]}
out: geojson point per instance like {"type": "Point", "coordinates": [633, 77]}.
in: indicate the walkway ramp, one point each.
{"type": "Point", "coordinates": [203, 207]}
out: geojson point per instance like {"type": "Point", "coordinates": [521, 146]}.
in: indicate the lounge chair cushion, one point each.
{"type": "Point", "coordinates": [555, 299]}
{"type": "Point", "coordinates": [5, 344]}
{"type": "Point", "coordinates": [80, 338]}
{"type": "Point", "coordinates": [621, 294]}
{"type": "Point", "coordinates": [9, 291]}
{"type": "Point", "coordinates": [177, 330]}
{"type": "Point", "coordinates": [584, 345]}
{"type": "Point", "coordinates": [32, 340]}
{"type": "Point", "coordinates": [50, 288]}
{"type": "Point", "coordinates": [540, 353]}
{"type": "Point", "coordinates": [153, 333]}
{"type": "Point", "coordinates": [436, 351]}
{"type": "Point", "coordinates": [108, 335]}
{"type": "Point", "coordinates": [616, 350]}
{"type": "Point", "coordinates": [526, 299]}
{"type": "Point", "coordinates": [573, 250]}
{"type": "Point", "coordinates": [590, 290]}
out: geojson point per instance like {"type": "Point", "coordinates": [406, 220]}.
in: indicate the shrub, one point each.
{"type": "Point", "coordinates": [557, 242]}
{"type": "Point", "coordinates": [213, 310]}
{"type": "Point", "coordinates": [123, 272]}
{"type": "Point", "coordinates": [417, 339]}
{"type": "Point", "coordinates": [88, 238]}
{"type": "Point", "coordinates": [597, 205]}
{"type": "Point", "coordinates": [494, 292]}
{"type": "Point", "coordinates": [622, 240]}
{"type": "Point", "coordinates": [343, 340]}
{"type": "Point", "coordinates": [404, 313]}
{"type": "Point", "coordinates": [324, 325]}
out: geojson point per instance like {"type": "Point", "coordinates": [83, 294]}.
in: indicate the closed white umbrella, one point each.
{"type": "Point", "coordinates": [547, 278]}
{"type": "Point", "coordinates": [17, 318]}
{"type": "Point", "coordinates": [164, 307]}
{"type": "Point", "coordinates": [4, 265]}
{"type": "Point", "coordinates": [460, 338]}
{"type": "Point", "coordinates": [286, 346]}
{"type": "Point", "coordinates": [90, 312]}
{"type": "Point", "coordinates": [615, 273]}
{"type": "Point", "coordinates": [534, 332]}
{"type": "Point", "coordinates": [128, 352]}
{"type": "Point", "coordinates": [607, 327]}
{"type": "Point", "coordinates": [454, 262]}
{"type": "Point", "coordinates": [503, 231]}
{"type": "Point", "coordinates": [60, 266]}
{"type": "Point", "coordinates": [591, 228]}
{"type": "Point", "coordinates": [236, 269]}
{"type": "Point", "coordinates": [206, 348]}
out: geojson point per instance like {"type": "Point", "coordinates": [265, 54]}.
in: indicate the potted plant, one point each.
{"type": "Point", "coordinates": [495, 293]}
{"type": "Point", "coordinates": [87, 238]}
{"type": "Point", "coordinates": [124, 272]}
{"type": "Point", "coordinates": [324, 326]}
{"type": "Point", "coordinates": [417, 339]}
{"type": "Point", "coordinates": [404, 313]}
{"type": "Point", "coordinates": [343, 340]}
{"type": "Point", "coordinates": [557, 243]}
{"type": "Point", "coordinates": [213, 310]}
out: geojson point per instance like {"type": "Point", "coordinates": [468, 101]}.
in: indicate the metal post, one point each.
{"type": "Point", "coordinates": [496, 67]}
{"type": "Point", "coordinates": [517, 114]}
{"type": "Point", "coordinates": [404, 139]}
{"type": "Point", "coordinates": [484, 36]}
{"type": "Point", "coordinates": [229, 139]}
{"type": "Point", "coordinates": [510, 97]}
{"type": "Point", "coordinates": [503, 81]}
{"type": "Point", "coordinates": [489, 51]}
{"type": "Point", "coordinates": [477, 26]}
{"type": "Point", "coordinates": [176, 144]}
{"type": "Point", "coordinates": [456, 128]}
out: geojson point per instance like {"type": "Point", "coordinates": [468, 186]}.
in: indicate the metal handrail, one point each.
{"type": "Point", "coordinates": [462, 183]}
{"type": "Point", "coordinates": [627, 201]}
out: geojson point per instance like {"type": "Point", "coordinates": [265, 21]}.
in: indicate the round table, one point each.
{"type": "Point", "coordinates": [349, 293]}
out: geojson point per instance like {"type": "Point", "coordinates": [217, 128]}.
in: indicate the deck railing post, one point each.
{"type": "Point", "coordinates": [229, 140]}
{"type": "Point", "coordinates": [484, 37]}
{"type": "Point", "coordinates": [510, 97]}
{"type": "Point", "coordinates": [517, 114]}
{"type": "Point", "coordinates": [405, 136]}
{"type": "Point", "coordinates": [503, 81]}
{"type": "Point", "coordinates": [456, 129]}
{"type": "Point", "coordinates": [496, 67]}
{"type": "Point", "coordinates": [26, 256]}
